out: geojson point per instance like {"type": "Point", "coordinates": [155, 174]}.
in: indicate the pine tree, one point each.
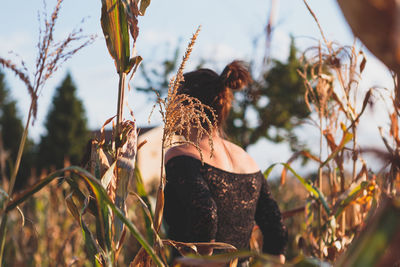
{"type": "Point", "coordinates": [11, 129]}
{"type": "Point", "coordinates": [67, 132]}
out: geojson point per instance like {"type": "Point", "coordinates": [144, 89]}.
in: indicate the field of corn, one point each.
{"type": "Point", "coordinates": [347, 213]}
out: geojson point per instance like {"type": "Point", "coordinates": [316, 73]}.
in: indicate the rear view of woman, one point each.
{"type": "Point", "coordinates": [222, 199]}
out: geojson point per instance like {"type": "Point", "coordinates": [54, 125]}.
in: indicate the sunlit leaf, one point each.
{"type": "Point", "coordinates": [351, 195]}
{"type": "Point", "coordinates": [346, 138]}
{"type": "Point", "coordinates": [308, 213]}
{"type": "Point", "coordinates": [309, 187]}
{"type": "Point", "coordinates": [134, 63]}
{"type": "Point", "coordinates": [115, 30]}
{"type": "Point", "coordinates": [143, 6]}
{"type": "Point", "coordinates": [108, 176]}
{"type": "Point", "coordinates": [303, 153]}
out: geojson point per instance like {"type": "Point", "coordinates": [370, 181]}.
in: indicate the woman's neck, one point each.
{"type": "Point", "coordinates": [215, 135]}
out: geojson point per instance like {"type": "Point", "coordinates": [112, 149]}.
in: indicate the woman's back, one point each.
{"type": "Point", "coordinates": [204, 203]}
{"type": "Point", "coordinates": [223, 155]}
{"type": "Point", "coordinates": [210, 203]}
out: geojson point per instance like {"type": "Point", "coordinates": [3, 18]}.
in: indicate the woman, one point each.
{"type": "Point", "coordinates": [221, 199]}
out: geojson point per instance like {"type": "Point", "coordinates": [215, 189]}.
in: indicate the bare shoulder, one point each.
{"type": "Point", "coordinates": [179, 151]}
{"type": "Point", "coordinates": [241, 158]}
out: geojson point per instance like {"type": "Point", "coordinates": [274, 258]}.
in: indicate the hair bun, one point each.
{"type": "Point", "coordinates": [235, 76]}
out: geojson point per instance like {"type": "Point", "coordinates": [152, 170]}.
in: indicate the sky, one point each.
{"type": "Point", "coordinates": [229, 28]}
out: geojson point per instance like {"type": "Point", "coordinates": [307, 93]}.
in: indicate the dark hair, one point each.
{"type": "Point", "coordinates": [215, 90]}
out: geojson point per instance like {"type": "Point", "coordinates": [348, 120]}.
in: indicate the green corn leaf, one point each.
{"type": "Point", "coordinates": [308, 212]}
{"type": "Point", "coordinates": [132, 12]}
{"type": "Point", "coordinates": [98, 262]}
{"type": "Point", "coordinates": [141, 191]}
{"type": "Point", "coordinates": [115, 29]}
{"type": "Point", "coordinates": [103, 222]}
{"type": "Point", "coordinates": [21, 197]}
{"type": "Point", "coordinates": [90, 243]}
{"type": "Point", "coordinates": [309, 187]}
{"type": "Point", "coordinates": [101, 194]}
{"type": "Point", "coordinates": [346, 138]}
{"type": "Point", "coordinates": [148, 218]}
{"type": "Point", "coordinates": [351, 196]}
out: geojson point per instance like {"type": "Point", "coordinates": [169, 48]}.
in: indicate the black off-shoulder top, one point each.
{"type": "Point", "coordinates": [204, 203]}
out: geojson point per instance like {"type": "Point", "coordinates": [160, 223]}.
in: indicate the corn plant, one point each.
{"type": "Point", "coordinates": [105, 192]}
{"type": "Point", "coordinates": [51, 55]}
{"type": "Point", "coordinates": [118, 19]}
{"type": "Point", "coordinates": [113, 164]}
{"type": "Point", "coordinates": [331, 76]}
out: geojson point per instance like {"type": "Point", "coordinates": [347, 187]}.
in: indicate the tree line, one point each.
{"type": "Point", "coordinates": [64, 139]}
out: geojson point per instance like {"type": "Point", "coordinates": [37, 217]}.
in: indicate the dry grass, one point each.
{"type": "Point", "coordinates": [50, 56]}
{"type": "Point", "coordinates": [332, 76]}
{"type": "Point", "coordinates": [180, 112]}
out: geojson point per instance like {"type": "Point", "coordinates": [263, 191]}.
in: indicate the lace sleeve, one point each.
{"type": "Point", "coordinates": [188, 198]}
{"type": "Point", "coordinates": [268, 218]}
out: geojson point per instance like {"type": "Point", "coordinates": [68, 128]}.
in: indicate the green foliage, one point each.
{"type": "Point", "coordinates": [11, 130]}
{"type": "Point", "coordinates": [67, 133]}
{"type": "Point", "coordinates": [277, 101]}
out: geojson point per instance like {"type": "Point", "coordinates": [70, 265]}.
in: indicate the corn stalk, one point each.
{"type": "Point", "coordinates": [118, 19]}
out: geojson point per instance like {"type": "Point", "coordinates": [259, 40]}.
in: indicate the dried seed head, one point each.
{"type": "Point", "coordinates": [182, 113]}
